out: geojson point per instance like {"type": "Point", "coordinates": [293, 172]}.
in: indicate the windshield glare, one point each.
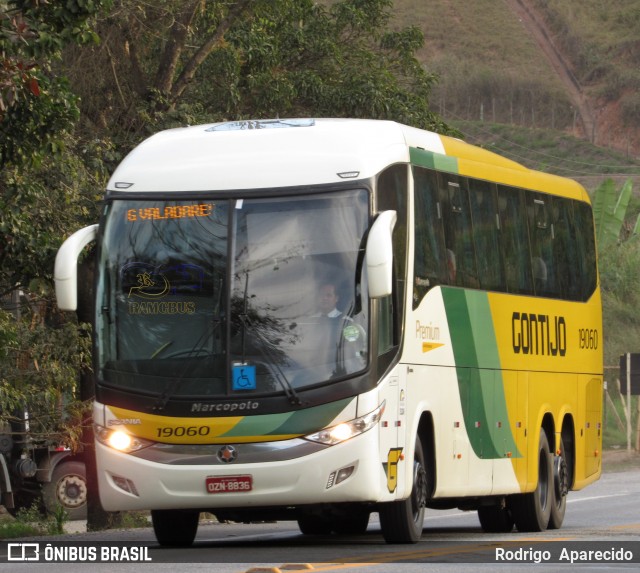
{"type": "Point", "coordinates": [218, 297]}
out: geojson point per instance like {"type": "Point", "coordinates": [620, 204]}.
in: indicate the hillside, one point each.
{"type": "Point", "coordinates": [569, 65]}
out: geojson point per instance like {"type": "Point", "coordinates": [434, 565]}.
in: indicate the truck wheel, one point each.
{"type": "Point", "coordinates": [402, 521]}
{"type": "Point", "coordinates": [175, 527]}
{"type": "Point", "coordinates": [67, 488]}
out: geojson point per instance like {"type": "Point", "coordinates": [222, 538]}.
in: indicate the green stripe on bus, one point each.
{"type": "Point", "coordinates": [432, 160]}
{"type": "Point", "coordinates": [289, 423]}
{"type": "Point", "coordinates": [313, 419]}
{"type": "Point", "coordinates": [481, 389]}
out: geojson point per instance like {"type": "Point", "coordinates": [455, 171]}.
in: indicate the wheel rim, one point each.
{"type": "Point", "coordinates": [71, 491]}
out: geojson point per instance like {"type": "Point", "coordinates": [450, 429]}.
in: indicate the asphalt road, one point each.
{"type": "Point", "coordinates": [603, 517]}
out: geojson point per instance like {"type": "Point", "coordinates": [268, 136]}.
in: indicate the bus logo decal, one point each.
{"type": "Point", "coordinates": [391, 468]}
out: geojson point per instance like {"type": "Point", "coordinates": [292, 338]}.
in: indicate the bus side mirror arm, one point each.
{"type": "Point", "coordinates": [65, 274]}
{"type": "Point", "coordinates": [379, 255]}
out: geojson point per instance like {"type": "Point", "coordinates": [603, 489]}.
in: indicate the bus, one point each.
{"type": "Point", "coordinates": [321, 319]}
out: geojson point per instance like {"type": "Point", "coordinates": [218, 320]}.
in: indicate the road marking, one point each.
{"type": "Point", "coordinates": [596, 497]}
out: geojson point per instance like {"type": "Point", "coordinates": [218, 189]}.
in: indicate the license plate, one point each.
{"type": "Point", "coordinates": [229, 484]}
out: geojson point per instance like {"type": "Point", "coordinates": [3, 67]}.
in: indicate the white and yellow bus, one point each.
{"type": "Point", "coordinates": [317, 320]}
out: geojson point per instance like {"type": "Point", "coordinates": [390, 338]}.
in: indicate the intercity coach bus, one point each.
{"type": "Point", "coordinates": [318, 320]}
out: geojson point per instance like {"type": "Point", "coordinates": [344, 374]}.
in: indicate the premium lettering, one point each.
{"type": "Point", "coordinates": [538, 334]}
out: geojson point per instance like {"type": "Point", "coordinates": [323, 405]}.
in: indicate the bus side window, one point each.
{"type": "Point", "coordinates": [392, 190]}
{"type": "Point", "coordinates": [484, 213]}
{"type": "Point", "coordinates": [430, 256]}
{"type": "Point", "coordinates": [541, 234]}
{"type": "Point", "coordinates": [515, 240]}
{"type": "Point", "coordinates": [461, 258]}
{"type": "Point", "coordinates": [565, 253]}
{"type": "Point", "coordinates": [585, 238]}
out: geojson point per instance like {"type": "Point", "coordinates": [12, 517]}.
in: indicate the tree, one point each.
{"type": "Point", "coordinates": [36, 106]}
{"type": "Point", "coordinates": [175, 62]}
{"type": "Point", "coordinates": [47, 187]}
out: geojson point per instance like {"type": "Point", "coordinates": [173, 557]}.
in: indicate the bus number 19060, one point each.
{"type": "Point", "coordinates": [588, 338]}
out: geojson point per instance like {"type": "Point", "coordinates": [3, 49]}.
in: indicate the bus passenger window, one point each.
{"type": "Point", "coordinates": [457, 231]}
{"type": "Point", "coordinates": [564, 250]}
{"type": "Point", "coordinates": [585, 240]}
{"type": "Point", "coordinates": [541, 234]}
{"type": "Point", "coordinates": [430, 266]}
{"type": "Point", "coordinates": [484, 213]}
{"type": "Point", "coordinates": [514, 240]}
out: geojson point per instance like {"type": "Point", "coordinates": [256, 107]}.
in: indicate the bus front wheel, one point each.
{"type": "Point", "coordinates": [402, 521]}
{"type": "Point", "coordinates": [174, 527]}
{"type": "Point", "coordinates": [532, 511]}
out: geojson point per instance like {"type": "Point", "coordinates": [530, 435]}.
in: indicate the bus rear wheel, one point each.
{"type": "Point", "coordinates": [402, 521]}
{"type": "Point", "coordinates": [532, 511]}
{"type": "Point", "coordinates": [561, 484]}
{"type": "Point", "coordinates": [175, 527]}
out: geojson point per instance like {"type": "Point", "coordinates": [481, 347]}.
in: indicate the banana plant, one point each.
{"type": "Point", "coordinates": [609, 212]}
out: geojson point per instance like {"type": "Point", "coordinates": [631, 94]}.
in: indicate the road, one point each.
{"type": "Point", "coordinates": [604, 516]}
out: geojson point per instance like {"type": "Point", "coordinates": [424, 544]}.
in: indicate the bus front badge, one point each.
{"type": "Point", "coordinates": [227, 454]}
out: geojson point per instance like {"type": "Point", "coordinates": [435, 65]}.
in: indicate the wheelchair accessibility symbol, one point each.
{"type": "Point", "coordinates": [243, 377]}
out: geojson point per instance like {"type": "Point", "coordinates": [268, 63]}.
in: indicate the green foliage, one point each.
{"type": "Point", "coordinates": [41, 206]}
{"type": "Point", "coordinates": [609, 212]}
{"type": "Point", "coordinates": [30, 521]}
{"type": "Point", "coordinates": [273, 58]}
{"type": "Point", "coordinates": [36, 108]}
{"type": "Point", "coordinates": [39, 365]}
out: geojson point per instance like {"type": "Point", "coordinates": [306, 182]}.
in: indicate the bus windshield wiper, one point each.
{"type": "Point", "coordinates": [172, 386]}
{"type": "Point", "coordinates": [269, 354]}
{"type": "Point", "coordinates": [265, 348]}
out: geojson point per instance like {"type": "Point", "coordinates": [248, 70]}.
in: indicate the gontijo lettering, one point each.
{"type": "Point", "coordinates": [539, 334]}
{"type": "Point", "coordinates": [170, 212]}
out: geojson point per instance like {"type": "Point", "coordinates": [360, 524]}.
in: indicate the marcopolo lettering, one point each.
{"type": "Point", "coordinates": [538, 334]}
{"type": "Point", "coordinates": [224, 406]}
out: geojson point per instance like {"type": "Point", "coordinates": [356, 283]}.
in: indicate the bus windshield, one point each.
{"type": "Point", "coordinates": [226, 297]}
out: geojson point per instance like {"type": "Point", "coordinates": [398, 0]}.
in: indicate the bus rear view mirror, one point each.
{"type": "Point", "coordinates": [379, 255]}
{"type": "Point", "coordinates": [65, 272]}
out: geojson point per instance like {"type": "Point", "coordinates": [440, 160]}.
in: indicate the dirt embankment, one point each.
{"type": "Point", "coordinates": [604, 127]}
{"type": "Point", "coordinates": [535, 26]}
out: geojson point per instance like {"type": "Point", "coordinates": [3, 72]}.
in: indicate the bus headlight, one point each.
{"type": "Point", "coordinates": [119, 440]}
{"type": "Point", "coordinates": [347, 430]}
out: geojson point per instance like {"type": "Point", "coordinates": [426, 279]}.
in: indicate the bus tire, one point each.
{"type": "Point", "coordinates": [355, 524]}
{"type": "Point", "coordinates": [495, 519]}
{"type": "Point", "coordinates": [314, 525]}
{"type": "Point", "coordinates": [175, 527]}
{"type": "Point", "coordinates": [561, 484]}
{"type": "Point", "coordinates": [402, 521]}
{"type": "Point", "coordinates": [67, 489]}
{"type": "Point", "coordinates": [532, 511]}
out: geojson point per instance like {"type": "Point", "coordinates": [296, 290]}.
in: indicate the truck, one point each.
{"type": "Point", "coordinates": [40, 472]}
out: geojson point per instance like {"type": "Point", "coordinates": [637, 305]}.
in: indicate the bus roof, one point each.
{"type": "Point", "coordinates": [292, 152]}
